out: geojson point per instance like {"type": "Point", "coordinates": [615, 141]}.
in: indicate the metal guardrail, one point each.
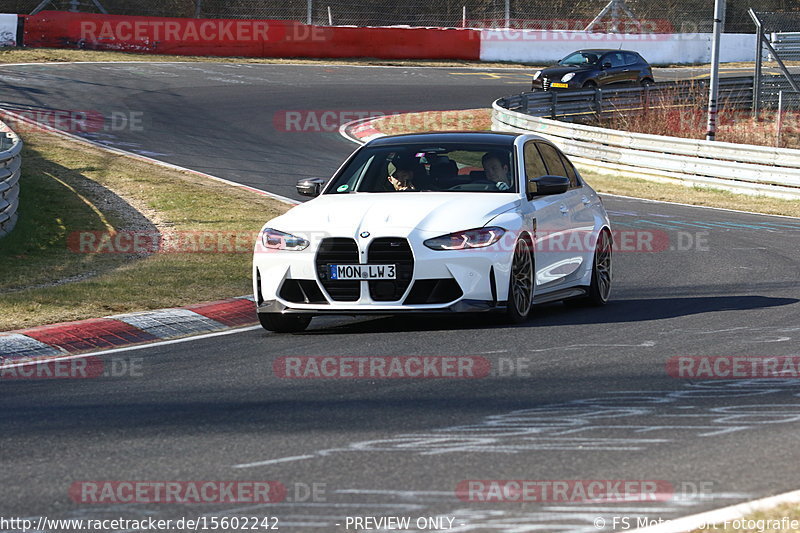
{"type": "Point", "coordinates": [597, 102]}
{"type": "Point", "coordinates": [787, 44]}
{"type": "Point", "coordinates": [10, 167]}
{"type": "Point", "coordinates": [736, 167]}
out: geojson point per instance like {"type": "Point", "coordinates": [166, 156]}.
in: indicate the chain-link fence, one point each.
{"type": "Point", "coordinates": [681, 16]}
{"type": "Point", "coordinates": [778, 35]}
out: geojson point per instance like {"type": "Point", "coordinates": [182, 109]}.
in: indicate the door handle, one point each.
{"type": "Point", "coordinates": [564, 210]}
{"type": "Point", "coordinates": [585, 200]}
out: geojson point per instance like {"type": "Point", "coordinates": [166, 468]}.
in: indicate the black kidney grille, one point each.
{"type": "Point", "coordinates": [391, 251]}
{"type": "Point", "coordinates": [338, 251]}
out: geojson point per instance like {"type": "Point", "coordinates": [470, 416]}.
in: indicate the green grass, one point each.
{"type": "Point", "coordinates": [65, 188]}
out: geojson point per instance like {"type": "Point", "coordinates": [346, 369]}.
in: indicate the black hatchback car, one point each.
{"type": "Point", "coordinates": [594, 68]}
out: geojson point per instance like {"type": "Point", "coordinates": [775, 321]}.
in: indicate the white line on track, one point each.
{"type": "Point", "coordinates": [60, 63]}
{"type": "Point", "coordinates": [275, 461]}
{"type": "Point", "coordinates": [729, 514]}
{"type": "Point", "coordinates": [697, 206]}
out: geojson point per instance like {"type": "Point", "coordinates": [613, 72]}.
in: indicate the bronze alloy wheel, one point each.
{"type": "Point", "coordinates": [520, 289]}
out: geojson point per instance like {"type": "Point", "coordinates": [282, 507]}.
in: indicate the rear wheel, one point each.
{"type": "Point", "coordinates": [283, 323]}
{"type": "Point", "coordinates": [520, 286]}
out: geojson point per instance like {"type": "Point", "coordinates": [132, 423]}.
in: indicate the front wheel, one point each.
{"type": "Point", "coordinates": [520, 286]}
{"type": "Point", "coordinates": [283, 323]}
{"type": "Point", "coordinates": [600, 288]}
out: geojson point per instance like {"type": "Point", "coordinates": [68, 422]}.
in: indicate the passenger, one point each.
{"type": "Point", "coordinates": [497, 169]}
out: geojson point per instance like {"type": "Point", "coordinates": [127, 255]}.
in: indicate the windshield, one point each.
{"type": "Point", "coordinates": [580, 58]}
{"type": "Point", "coordinates": [420, 168]}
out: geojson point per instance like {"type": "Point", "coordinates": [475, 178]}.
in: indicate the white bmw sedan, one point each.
{"type": "Point", "coordinates": [436, 222]}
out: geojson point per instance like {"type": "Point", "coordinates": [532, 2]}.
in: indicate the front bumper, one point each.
{"type": "Point", "coordinates": [546, 84]}
{"type": "Point", "coordinates": [437, 281]}
{"type": "Point", "coordinates": [461, 306]}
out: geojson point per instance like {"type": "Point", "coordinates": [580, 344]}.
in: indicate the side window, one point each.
{"type": "Point", "coordinates": [534, 165]}
{"type": "Point", "coordinates": [616, 59]}
{"type": "Point", "coordinates": [574, 182]}
{"type": "Point", "coordinates": [631, 58]}
{"type": "Point", "coordinates": [553, 160]}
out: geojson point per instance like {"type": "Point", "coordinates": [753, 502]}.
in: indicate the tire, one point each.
{"type": "Point", "coordinates": [600, 288]}
{"type": "Point", "coordinates": [520, 284]}
{"type": "Point", "coordinates": [589, 85]}
{"type": "Point", "coordinates": [646, 82]}
{"type": "Point", "coordinates": [283, 323]}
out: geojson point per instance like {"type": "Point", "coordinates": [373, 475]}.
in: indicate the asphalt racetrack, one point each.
{"type": "Point", "coordinates": [577, 394]}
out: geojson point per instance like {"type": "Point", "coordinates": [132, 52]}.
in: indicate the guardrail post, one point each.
{"type": "Point", "coordinates": [526, 103]}
{"type": "Point", "coordinates": [553, 104]}
{"type": "Point", "coordinates": [598, 102]}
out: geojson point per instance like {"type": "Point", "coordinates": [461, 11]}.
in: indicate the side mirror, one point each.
{"type": "Point", "coordinates": [310, 186]}
{"type": "Point", "coordinates": [547, 185]}
{"type": "Point", "coordinates": [606, 65]}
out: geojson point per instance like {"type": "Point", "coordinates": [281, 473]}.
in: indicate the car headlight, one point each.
{"type": "Point", "coordinates": [538, 73]}
{"type": "Point", "coordinates": [568, 76]}
{"type": "Point", "coordinates": [278, 240]}
{"type": "Point", "coordinates": [465, 240]}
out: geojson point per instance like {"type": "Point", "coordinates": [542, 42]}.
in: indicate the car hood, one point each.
{"type": "Point", "coordinates": [555, 72]}
{"type": "Point", "coordinates": [394, 213]}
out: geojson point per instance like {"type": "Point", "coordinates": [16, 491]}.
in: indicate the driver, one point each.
{"type": "Point", "coordinates": [402, 179]}
{"type": "Point", "coordinates": [497, 169]}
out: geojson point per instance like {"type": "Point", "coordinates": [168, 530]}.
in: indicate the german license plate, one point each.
{"type": "Point", "coordinates": [560, 85]}
{"type": "Point", "coordinates": [363, 272]}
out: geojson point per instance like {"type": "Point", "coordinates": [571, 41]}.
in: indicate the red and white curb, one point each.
{"type": "Point", "coordinates": [360, 131]}
{"type": "Point", "coordinates": [69, 338]}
